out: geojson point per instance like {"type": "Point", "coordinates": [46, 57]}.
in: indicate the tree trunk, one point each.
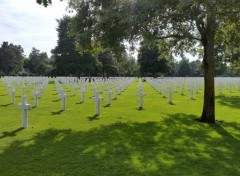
{"type": "Point", "coordinates": [208, 113]}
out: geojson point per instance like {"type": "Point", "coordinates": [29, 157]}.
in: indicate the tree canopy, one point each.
{"type": "Point", "coordinates": [150, 62]}
{"type": "Point", "coordinates": [68, 60]}
{"type": "Point", "coordinates": [37, 63]}
{"type": "Point", "coordinates": [11, 58]}
{"type": "Point", "coordinates": [45, 3]}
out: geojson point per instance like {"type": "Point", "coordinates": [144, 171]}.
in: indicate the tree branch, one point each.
{"type": "Point", "coordinates": [178, 37]}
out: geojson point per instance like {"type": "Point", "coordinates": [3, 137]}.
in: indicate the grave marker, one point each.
{"type": "Point", "coordinates": [182, 89]}
{"type": "Point", "coordinates": [13, 95]}
{"type": "Point", "coordinates": [170, 92]}
{"type": "Point", "coordinates": [83, 90]}
{"type": "Point", "coordinates": [141, 95]}
{"type": "Point", "coordinates": [190, 89]}
{"type": "Point", "coordinates": [24, 106]}
{"type": "Point", "coordinates": [35, 95]}
{"type": "Point", "coordinates": [63, 97]}
{"type": "Point", "coordinates": [97, 99]}
{"type": "Point", "coordinates": [109, 92]}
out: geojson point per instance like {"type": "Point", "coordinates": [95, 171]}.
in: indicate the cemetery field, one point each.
{"type": "Point", "coordinates": [161, 139]}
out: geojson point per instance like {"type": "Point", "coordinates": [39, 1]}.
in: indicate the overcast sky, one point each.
{"type": "Point", "coordinates": [25, 23]}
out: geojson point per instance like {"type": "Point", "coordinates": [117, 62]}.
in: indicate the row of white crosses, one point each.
{"type": "Point", "coordinates": [74, 84]}
{"type": "Point", "coordinates": [38, 84]}
{"type": "Point", "coordinates": [171, 85]}
{"type": "Point", "coordinates": [62, 94]}
{"type": "Point", "coordinates": [116, 84]}
{"type": "Point", "coordinates": [140, 93]}
{"type": "Point", "coordinates": [12, 84]}
{"type": "Point", "coordinates": [164, 85]}
{"type": "Point", "coordinates": [227, 83]}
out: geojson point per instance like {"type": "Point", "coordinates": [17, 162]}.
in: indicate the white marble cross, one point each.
{"type": "Point", "coordinates": [97, 99]}
{"type": "Point", "coordinates": [170, 92]}
{"type": "Point", "coordinates": [94, 90]}
{"type": "Point", "coordinates": [23, 90]}
{"type": "Point", "coordinates": [13, 95]}
{"type": "Point", "coordinates": [231, 87]}
{"type": "Point", "coordinates": [116, 92]}
{"type": "Point", "coordinates": [182, 89]}
{"type": "Point", "coordinates": [24, 106]}
{"type": "Point", "coordinates": [197, 88]}
{"type": "Point", "coordinates": [83, 90]}
{"type": "Point", "coordinates": [109, 92]}
{"type": "Point", "coordinates": [163, 92]}
{"type": "Point", "coordinates": [140, 94]}
{"type": "Point", "coordinates": [63, 97]}
{"type": "Point", "coordinates": [35, 95]}
{"type": "Point", "coordinates": [191, 89]}
{"type": "Point", "coordinates": [220, 88]}
{"type": "Point", "coordinates": [75, 89]}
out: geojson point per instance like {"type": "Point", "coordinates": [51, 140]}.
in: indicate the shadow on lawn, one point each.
{"type": "Point", "coordinates": [231, 101]}
{"type": "Point", "coordinates": [177, 145]}
{"type": "Point", "coordinates": [107, 105]}
{"type": "Point", "coordinates": [11, 134]}
{"type": "Point", "coordinates": [94, 117]}
{"type": "Point", "coordinates": [6, 105]}
{"type": "Point", "coordinates": [57, 112]}
{"type": "Point", "coordinates": [57, 100]}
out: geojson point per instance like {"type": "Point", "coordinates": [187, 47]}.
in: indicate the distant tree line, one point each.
{"type": "Point", "coordinates": [66, 61]}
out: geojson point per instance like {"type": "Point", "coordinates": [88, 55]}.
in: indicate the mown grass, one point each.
{"type": "Point", "coordinates": [161, 139]}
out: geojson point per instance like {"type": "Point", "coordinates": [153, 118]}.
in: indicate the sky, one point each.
{"type": "Point", "coordinates": [26, 23]}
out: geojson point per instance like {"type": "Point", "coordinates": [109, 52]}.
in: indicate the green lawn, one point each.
{"type": "Point", "coordinates": [161, 139]}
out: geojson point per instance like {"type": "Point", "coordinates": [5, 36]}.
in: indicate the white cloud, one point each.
{"type": "Point", "coordinates": [30, 25]}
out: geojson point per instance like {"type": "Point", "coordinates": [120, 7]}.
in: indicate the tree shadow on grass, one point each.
{"type": "Point", "coordinates": [3, 95]}
{"type": "Point", "coordinates": [94, 117]}
{"type": "Point", "coordinates": [57, 113]}
{"type": "Point", "coordinates": [107, 105]}
{"type": "Point", "coordinates": [231, 101]}
{"type": "Point", "coordinates": [6, 105]}
{"type": "Point", "coordinates": [140, 109]}
{"type": "Point", "coordinates": [177, 145]}
{"type": "Point", "coordinates": [57, 100]}
{"type": "Point", "coordinates": [11, 134]}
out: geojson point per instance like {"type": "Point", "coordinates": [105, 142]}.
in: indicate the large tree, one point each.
{"type": "Point", "coordinates": [184, 68]}
{"type": "Point", "coordinates": [187, 25]}
{"type": "Point", "coordinates": [11, 58]}
{"type": "Point", "coordinates": [37, 63]}
{"type": "Point", "coordinates": [67, 60]}
{"type": "Point", "coordinates": [150, 62]}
